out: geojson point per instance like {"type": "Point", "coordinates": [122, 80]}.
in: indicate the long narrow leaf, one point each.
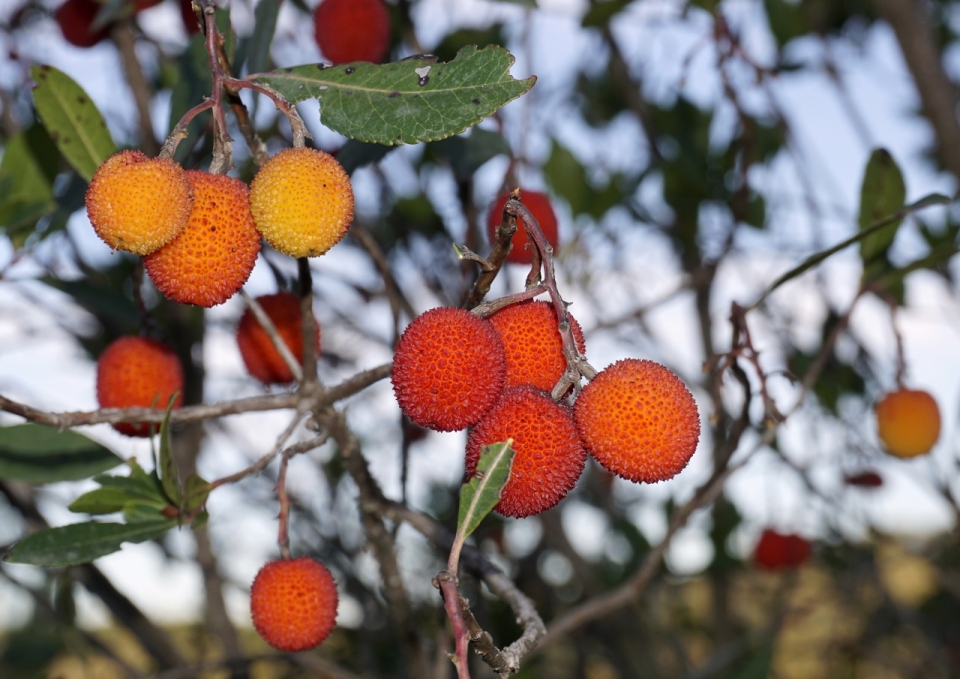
{"type": "Point", "coordinates": [482, 493]}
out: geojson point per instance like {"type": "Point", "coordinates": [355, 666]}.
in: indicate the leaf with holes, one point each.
{"type": "Point", "coordinates": [407, 101]}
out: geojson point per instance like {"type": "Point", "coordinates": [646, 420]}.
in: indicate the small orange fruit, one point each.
{"type": "Point", "coordinates": [136, 371]}
{"type": "Point", "coordinates": [638, 420]}
{"type": "Point", "coordinates": [532, 344]}
{"type": "Point", "coordinates": [549, 454]}
{"type": "Point", "coordinates": [213, 256]}
{"type": "Point", "coordinates": [352, 30]}
{"type": "Point", "coordinates": [259, 354]}
{"type": "Point", "coordinates": [448, 369]}
{"type": "Point", "coordinates": [908, 422]}
{"type": "Point", "coordinates": [138, 204]}
{"type": "Point", "coordinates": [293, 603]}
{"type": "Point", "coordinates": [776, 551]}
{"type": "Point", "coordinates": [302, 202]}
{"type": "Point", "coordinates": [539, 205]}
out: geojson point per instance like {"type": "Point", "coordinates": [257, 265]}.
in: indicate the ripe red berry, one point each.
{"type": "Point", "coordinates": [136, 371]}
{"type": "Point", "coordinates": [293, 603]}
{"type": "Point", "coordinates": [448, 369]}
{"type": "Point", "coordinates": [776, 551]}
{"type": "Point", "coordinates": [549, 454]}
{"type": "Point", "coordinates": [638, 420]}
{"type": "Point", "coordinates": [866, 479]}
{"type": "Point", "coordinates": [532, 344]}
{"type": "Point", "coordinates": [539, 205]}
{"type": "Point", "coordinates": [75, 18]}
{"type": "Point", "coordinates": [352, 30]}
{"type": "Point", "coordinates": [261, 357]}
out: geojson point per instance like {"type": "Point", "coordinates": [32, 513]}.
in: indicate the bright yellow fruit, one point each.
{"type": "Point", "coordinates": [908, 422]}
{"type": "Point", "coordinates": [302, 202]}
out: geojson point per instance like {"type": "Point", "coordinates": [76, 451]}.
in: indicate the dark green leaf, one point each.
{"type": "Point", "coordinates": [882, 193]}
{"type": "Point", "coordinates": [139, 485]}
{"type": "Point", "coordinates": [140, 511]}
{"type": "Point", "coordinates": [568, 179]}
{"type": "Point", "coordinates": [34, 453]}
{"type": "Point", "coordinates": [73, 121]}
{"type": "Point", "coordinates": [200, 521]}
{"type": "Point", "coordinates": [600, 13]}
{"type": "Point", "coordinates": [166, 468]}
{"type": "Point", "coordinates": [195, 494]}
{"type": "Point", "coordinates": [466, 154]}
{"type": "Point", "coordinates": [81, 542]}
{"type": "Point", "coordinates": [193, 83]}
{"type": "Point", "coordinates": [525, 3]}
{"type": "Point", "coordinates": [356, 154]}
{"type": "Point", "coordinates": [481, 493]}
{"type": "Point", "coordinates": [256, 49]}
{"type": "Point", "coordinates": [454, 42]}
{"type": "Point", "coordinates": [27, 172]}
{"type": "Point", "coordinates": [406, 101]}
{"type": "Point", "coordinates": [101, 501]}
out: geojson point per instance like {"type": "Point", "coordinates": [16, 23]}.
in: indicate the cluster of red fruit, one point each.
{"type": "Point", "coordinates": [453, 370]}
{"type": "Point", "coordinates": [199, 233]}
{"type": "Point", "coordinates": [141, 372]}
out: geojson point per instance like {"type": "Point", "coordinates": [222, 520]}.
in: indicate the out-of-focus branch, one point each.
{"type": "Point", "coordinates": [938, 97]}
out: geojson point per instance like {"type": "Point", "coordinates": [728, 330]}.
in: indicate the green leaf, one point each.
{"type": "Point", "coordinates": [568, 178]}
{"type": "Point", "coordinates": [34, 453]}
{"type": "Point", "coordinates": [139, 511]}
{"type": "Point", "coordinates": [81, 542]}
{"type": "Point", "coordinates": [100, 501]}
{"type": "Point", "coordinates": [193, 83]}
{"type": "Point", "coordinates": [195, 495]}
{"type": "Point", "coordinates": [27, 171]}
{"type": "Point", "coordinates": [166, 469]}
{"type": "Point", "coordinates": [356, 154]}
{"type": "Point", "coordinates": [139, 485]}
{"type": "Point", "coordinates": [407, 101]}
{"type": "Point", "coordinates": [481, 494]}
{"type": "Point", "coordinates": [72, 119]}
{"type": "Point", "coordinates": [201, 520]}
{"type": "Point", "coordinates": [600, 13]}
{"type": "Point", "coordinates": [466, 154]}
{"type": "Point", "coordinates": [256, 48]}
{"type": "Point", "coordinates": [882, 193]}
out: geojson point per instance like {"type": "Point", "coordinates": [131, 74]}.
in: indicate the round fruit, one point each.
{"type": "Point", "coordinates": [261, 357]}
{"type": "Point", "coordinates": [549, 454]}
{"type": "Point", "coordinates": [139, 204]}
{"type": "Point", "coordinates": [448, 369]}
{"type": "Point", "coordinates": [293, 603]}
{"type": "Point", "coordinates": [532, 344]}
{"type": "Point", "coordinates": [639, 420]}
{"type": "Point", "coordinates": [352, 30]}
{"type": "Point", "coordinates": [75, 18]}
{"type": "Point", "coordinates": [302, 202]}
{"type": "Point", "coordinates": [539, 205]}
{"type": "Point", "coordinates": [908, 422]}
{"type": "Point", "coordinates": [213, 256]}
{"type": "Point", "coordinates": [136, 371]}
{"type": "Point", "coordinates": [775, 551]}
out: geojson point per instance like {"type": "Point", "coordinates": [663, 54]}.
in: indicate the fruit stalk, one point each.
{"type": "Point", "coordinates": [446, 582]}
{"type": "Point", "coordinates": [308, 326]}
{"type": "Point", "coordinates": [283, 535]}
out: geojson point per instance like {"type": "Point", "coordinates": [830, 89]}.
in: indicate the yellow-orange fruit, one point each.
{"type": "Point", "coordinates": [261, 357]}
{"type": "Point", "coordinates": [293, 603]}
{"type": "Point", "coordinates": [136, 371]}
{"type": "Point", "coordinates": [532, 344]}
{"type": "Point", "coordinates": [539, 205]}
{"type": "Point", "coordinates": [638, 420]}
{"type": "Point", "coordinates": [213, 256]}
{"type": "Point", "coordinates": [138, 204]}
{"type": "Point", "coordinates": [302, 202]}
{"type": "Point", "coordinates": [908, 422]}
{"type": "Point", "coordinates": [448, 369]}
{"type": "Point", "coordinates": [549, 454]}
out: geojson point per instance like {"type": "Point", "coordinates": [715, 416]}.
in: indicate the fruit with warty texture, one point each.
{"type": "Point", "coordinates": [302, 202]}
{"type": "Point", "coordinates": [777, 551]}
{"type": "Point", "coordinates": [639, 420]}
{"type": "Point", "coordinates": [213, 256]}
{"type": "Point", "coordinates": [448, 369]}
{"type": "Point", "coordinates": [75, 18]}
{"type": "Point", "coordinates": [259, 354]}
{"type": "Point", "coordinates": [539, 205]}
{"type": "Point", "coordinates": [532, 345]}
{"type": "Point", "coordinates": [138, 372]}
{"type": "Point", "coordinates": [139, 204]}
{"type": "Point", "coordinates": [293, 603]}
{"type": "Point", "coordinates": [908, 422]}
{"type": "Point", "coordinates": [352, 30]}
{"type": "Point", "coordinates": [549, 454]}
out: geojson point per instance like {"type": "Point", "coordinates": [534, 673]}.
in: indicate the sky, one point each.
{"type": "Point", "coordinates": [41, 365]}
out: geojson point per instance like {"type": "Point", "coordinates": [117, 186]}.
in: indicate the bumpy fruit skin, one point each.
{"type": "Point", "coordinates": [293, 603]}
{"type": "Point", "coordinates": [213, 256]}
{"type": "Point", "coordinates": [352, 30]}
{"type": "Point", "coordinates": [139, 204]}
{"type": "Point", "coordinates": [532, 345]}
{"type": "Point", "coordinates": [549, 454]}
{"type": "Point", "coordinates": [75, 18]}
{"type": "Point", "coordinates": [136, 371]}
{"type": "Point", "coordinates": [638, 420]}
{"type": "Point", "coordinates": [539, 205]}
{"type": "Point", "coordinates": [908, 422]}
{"type": "Point", "coordinates": [775, 551]}
{"type": "Point", "coordinates": [448, 369]}
{"type": "Point", "coordinates": [302, 202]}
{"type": "Point", "coordinates": [262, 359]}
